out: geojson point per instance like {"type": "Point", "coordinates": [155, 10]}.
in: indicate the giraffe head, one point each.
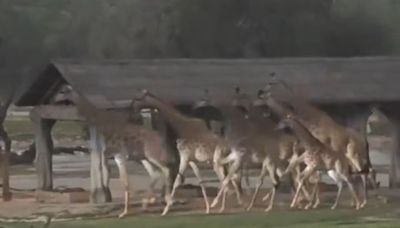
{"type": "Point", "coordinates": [286, 123]}
{"type": "Point", "coordinates": [240, 101]}
{"type": "Point", "coordinates": [204, 101]}
{"type": "Point", "coordinates": [66, 94]}
{"type": "Point", "coordinates": [142, 94]}
{"type": "Point", "coordinates": [273, 82]}
{"type": "Point", "coordinates": [143, 99]}
{"type": "Point", "coordinates": [283, 125]}
{"type": "Point", "coordinates": [289, 116]}
{"type": "Point", "coordinates": [260, 99]}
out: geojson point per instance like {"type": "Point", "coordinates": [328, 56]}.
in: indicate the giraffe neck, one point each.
{"type": "Point", "coordinates": [107, 122]}
{"type": "Point", "coordinates": [309, 141]}
{"type": "Point", "coordinates": [277, 107]}
{"type": "Point", "coordinates": [262, 121]}
{"type": "Point", "coordinates": [236, 122]}
{"type": "Point", "coordinates": [89, 111]}
{"type": "Point", "coordinates": [306, 114]}
{"type": "Point", "coordinates": [174, 117]}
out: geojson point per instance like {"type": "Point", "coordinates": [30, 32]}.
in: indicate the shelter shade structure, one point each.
{"type": "Point", "coordinates": [43, 118]}
{"type": "Point", "coordinates": [345, 87]}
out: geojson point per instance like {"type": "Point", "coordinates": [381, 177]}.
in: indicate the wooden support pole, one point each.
{"type": "Point", "coordinates": [394, 171]}
{"type": "Point", "coordinates": [99, 170]}
{"type": "Point", "coordinates": [5, 164]}
{"type": "Point", "coordinates": [44, 151]}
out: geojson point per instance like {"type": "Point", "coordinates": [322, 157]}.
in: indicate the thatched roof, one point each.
{"type": "Point", "coordinates": [324, 80]}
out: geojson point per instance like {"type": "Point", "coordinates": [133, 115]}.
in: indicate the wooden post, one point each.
{"type": "Point", "coordinates": [5, 164]}
{"type": "Point", "coordinates": [44, 151]}
{"type": "Point", "coordinates": [99, 171]}
{"type": "Point", "coordinates": [394, 170]}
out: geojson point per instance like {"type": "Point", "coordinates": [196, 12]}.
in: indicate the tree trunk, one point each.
{"type": "Point", "coordinates": [5, 163]}
{"type": "Point", "coordinates": [99, 170]}
{"type": "Point", "coordinates": [44, 150]}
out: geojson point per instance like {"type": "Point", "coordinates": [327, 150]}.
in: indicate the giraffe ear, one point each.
{"type": "Point", "coordinates": [260, 93]}
{"type": "Point", "coordinates": [237, 90]}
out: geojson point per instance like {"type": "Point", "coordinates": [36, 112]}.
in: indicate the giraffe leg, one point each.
{"type": "Point", "coordinates": [304, 191]}
{"type": "Point", "coordinates": [165, 170]}
{"type": "Point", "coordinates": [263, 173]}
{"type": "Point", "coordinates": [167, 177]}
{"type": "Point", "coordinates": [235, 166]}
{"type": "Point", "coordinates": [237, 191]}
{"type": "Point", "coordinates": [123, 174]}
{"type": "Point", "coordinates": [203, 188]}
{"type": "Point", "coordinates": [310, 202]}
{"type": "Point", "coordinates": [354, 179]}
{"type": "Point", "coordinates": [184, 160]}
{"type": "Point", "coordinates": [364, 178]}
{"type": "Point", "coordinates": [293, 163]}
{"type": "Point", "coordinates": [275, 181]}
{"type": "Point", "coordinates": [305, 175]}
{"type": "Point", "coordinates": [219, 171]}
{"type": "Point", "coordinates": [314, 192]}
{"type": "Point", "coordinates": [294, 160]}
{"type": "Point", "coordinates": [334, 175]}
{"type": "Point", "coordinates": [154, 178]}
{"type": "Point", "coordinates": [317, 199]}
{"type": "Point", "coordinates": [346, 178]}
{"type": "Point", "coordinates": [246, 175]}
{"type": "Point", "coordinates": [223, 202]}
{"type": "Point", "coordinates": [294, 169]}
{"type": "Point", "coordinates": [266, 197]}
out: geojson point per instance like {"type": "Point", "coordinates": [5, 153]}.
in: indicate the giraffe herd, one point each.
{"type": "Point", "coordinates": [284, 135]}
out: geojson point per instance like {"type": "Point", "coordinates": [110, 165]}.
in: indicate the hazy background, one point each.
{"type": "Point", "coordinates": [32, 32]}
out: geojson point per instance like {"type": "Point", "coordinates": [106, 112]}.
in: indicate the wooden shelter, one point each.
{"type": "Point", "coordinates": [345, 86]}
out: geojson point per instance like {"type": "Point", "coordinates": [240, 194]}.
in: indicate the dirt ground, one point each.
{"type": "Point", "coordinates": [24, 208]}
{"type": "Point", "coordinates": [72, 171]}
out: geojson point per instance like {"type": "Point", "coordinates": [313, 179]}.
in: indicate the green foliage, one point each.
{"type": "Point", "coordinates": [21, 128]}
{"type": "Point", "coordinates": [34, 31]}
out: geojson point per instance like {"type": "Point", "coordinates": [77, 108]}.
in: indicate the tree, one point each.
{"type": "Point", "coordinates": [6, 149]}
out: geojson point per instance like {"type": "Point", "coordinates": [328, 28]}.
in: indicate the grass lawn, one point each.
{"type": "Point", "coordinates": [21, 128]}
{"type": "Point", "coordinates": [367, 218]}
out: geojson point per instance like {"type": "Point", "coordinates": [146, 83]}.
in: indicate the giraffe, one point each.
{"type": "Point", "coordinates": [124, 140]}
{"type": "Point", "coordinates": [289, 154]}
{"type": "Point", "coordinates": [235, 125]}
{"type": "Point", "coordinates": [195, 143]}
{"type": "Point", "coordinates": [239, 126]}
{"type": "Point", "coordinates": [339, 138]}
{"type": "Point", "coordinates": [262, 145]}
{"type": "Point", "coordinates": [318, 155]}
